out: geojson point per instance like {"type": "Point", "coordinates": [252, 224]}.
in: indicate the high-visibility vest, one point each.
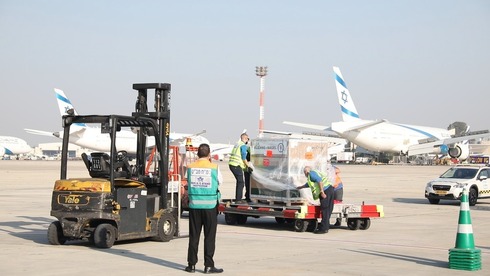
{"type": "Point", "coordinates": [236, 156]}
{"type": "Point", "coordinates": [315, 187]}
{"type": "Point", "coordinates": [202, 183]}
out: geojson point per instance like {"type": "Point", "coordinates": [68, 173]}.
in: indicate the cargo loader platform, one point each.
{"type": "Point", "coordinates": [303, 217]}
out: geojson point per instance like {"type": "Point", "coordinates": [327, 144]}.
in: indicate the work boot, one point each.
{"type": "Point", "coordinates": [190, 268]}
{"type": "Point", "coordinates": [212, 269]}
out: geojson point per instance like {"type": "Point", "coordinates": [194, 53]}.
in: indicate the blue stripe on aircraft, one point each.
{"type": "Point", "coordinates": [350, 113]}
{"type": "Point", "coordinates": [419, 131]}
{"type": "Point", "coordinates": [7, 151]}
{"type": "Point", "coordinates": [340, 80]}
{"type": "Point", "coordinates": [63, 99]}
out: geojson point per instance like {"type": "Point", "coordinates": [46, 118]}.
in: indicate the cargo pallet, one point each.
{"type": "Point", "coordinates": [303, 216]}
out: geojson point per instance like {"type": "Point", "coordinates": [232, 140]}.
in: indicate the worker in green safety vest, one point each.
{"type": "Point", "coordinates": [322, 189]}
{"type": "Point", "coordinates": [203, 178]}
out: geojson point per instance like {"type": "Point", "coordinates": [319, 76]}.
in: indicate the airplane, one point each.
{"type": "Point", "coordinates": [385, 136]}
{"type": "Point", "coordinates": [90, 137]}
{"type": "Point", "coordinates": [13, 146]}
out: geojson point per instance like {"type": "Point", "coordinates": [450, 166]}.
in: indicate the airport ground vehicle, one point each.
{"type": "Point", "coordinates": [120, 200]}
{"type": "Point", "coordinates": [303, 217]}
{"type": "Point", "coordinates": [450, 185]}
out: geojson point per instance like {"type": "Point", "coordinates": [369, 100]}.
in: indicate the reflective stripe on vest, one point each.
{"type": "Point", "coordinates": [236, 155]}
{"type": "Point", "coordinates": [203, 184]}
{"type": "Point", "coordinates": [315, 187]}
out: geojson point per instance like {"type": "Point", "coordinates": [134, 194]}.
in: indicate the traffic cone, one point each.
{"type": "Point", "coordinates": [464, 255]}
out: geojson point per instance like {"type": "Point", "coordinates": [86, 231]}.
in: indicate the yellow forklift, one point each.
{"type": "Point", "coordinates": [120, 200]}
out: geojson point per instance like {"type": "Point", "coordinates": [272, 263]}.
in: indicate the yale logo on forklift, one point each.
{"type": "Point", "coordinates": [73, 199]}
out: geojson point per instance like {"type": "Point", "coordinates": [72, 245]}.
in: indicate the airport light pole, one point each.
{"type": "Point", "coordinates": [261, 72]}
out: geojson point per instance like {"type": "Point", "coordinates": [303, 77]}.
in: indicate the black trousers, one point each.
{"type": "Point", "coordinates": [326, 206]}
{"type": "Point", "coordinates": [247, 185]}
{"type": "Point", "coordinates": [240, 182]}
{"type": "Point", "coordinates": [199, 218]}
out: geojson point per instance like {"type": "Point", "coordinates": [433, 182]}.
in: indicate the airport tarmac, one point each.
{"type": "Point", "coordinates": [412, 239]}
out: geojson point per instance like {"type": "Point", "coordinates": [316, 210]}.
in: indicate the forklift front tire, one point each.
{"type": "Point", "coordinates": [167, 226]}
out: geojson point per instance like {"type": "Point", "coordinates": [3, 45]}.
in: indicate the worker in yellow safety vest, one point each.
{"type": "Point", "coordinates": [238, 164]}
{"type": "Point", "coordinates": [321, 189]}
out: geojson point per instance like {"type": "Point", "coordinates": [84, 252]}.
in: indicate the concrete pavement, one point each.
{"type": "Point", "coordinates": [412, 239]}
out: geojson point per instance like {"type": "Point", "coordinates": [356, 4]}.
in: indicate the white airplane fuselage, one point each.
{"type": "Point", "coordinates": [13, 146]}
{"type": "Point", "coordinates": [387, 137]}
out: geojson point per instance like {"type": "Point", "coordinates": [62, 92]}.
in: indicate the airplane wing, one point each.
{"type": "Point", "coordinates": [38, 132]}
{"type": "Point", "coordinates": [310, 135]}
{"type": "Point", "coordinates": [429, 147]}
{"type": "Point", "coordinates": [78, 132]}
{"type": "Point", "coordinates": [320, 127]}
{"type": "Point", "coordinates": [312, 126]}
{"type": "Point", "coordinates": [366, 125]}
{"type": "Point", "coordinates": [277, 132]}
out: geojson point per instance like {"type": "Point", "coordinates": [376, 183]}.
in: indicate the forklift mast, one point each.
{"type": "Point", "coordinates": [162, 139]}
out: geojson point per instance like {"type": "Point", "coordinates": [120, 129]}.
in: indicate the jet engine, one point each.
{"type": "Point", "coordinates": [460, 151]}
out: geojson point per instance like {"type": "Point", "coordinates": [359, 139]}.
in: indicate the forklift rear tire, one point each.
{"type": "Point", "coordinates": [55, 234]}
{"type": "Point", "coordinates": [167, 226]}
{"type": "Point", "coordinates": [353, 224]}
{"type": "Point", "coordinates": [104, 235]}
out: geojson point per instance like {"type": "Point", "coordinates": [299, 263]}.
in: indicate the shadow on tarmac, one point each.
{"type": "Point", "coordinates": [33, 228]}
{"type": "Point", "coordinates": [141, 257]}
{"type": "Point", "coordinates": [267, 223]}
{"type": "Point", "coordinates": [481, 206]}
{"type": "Point", "coordinates": [417, 260]}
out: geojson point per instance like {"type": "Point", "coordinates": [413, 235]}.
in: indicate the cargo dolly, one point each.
{"type": "Point", "coordinates": [303, 217]}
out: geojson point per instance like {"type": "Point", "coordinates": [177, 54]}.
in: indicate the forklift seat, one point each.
{"type": "Point", "coordinates": [100, 166]}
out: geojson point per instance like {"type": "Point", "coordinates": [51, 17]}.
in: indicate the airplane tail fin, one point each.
{"type": "Point", "coordinates": [64, 104]}
{"type": "Point", "coordinates": [347, 107]}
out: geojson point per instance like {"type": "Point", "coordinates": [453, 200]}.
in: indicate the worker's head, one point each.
{"type": "Point", "coordinates": [203, 151]}
{"type": "Point", "coordinates": [307, 170]}
{"type": "Point", "coordinates": [244, 138]}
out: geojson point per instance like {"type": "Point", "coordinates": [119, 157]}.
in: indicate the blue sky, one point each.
{"type": "Point", "coordinates": [414, 62]}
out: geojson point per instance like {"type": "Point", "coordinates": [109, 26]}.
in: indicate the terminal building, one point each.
{"type": "Point", "coordinates": [53, 151]}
